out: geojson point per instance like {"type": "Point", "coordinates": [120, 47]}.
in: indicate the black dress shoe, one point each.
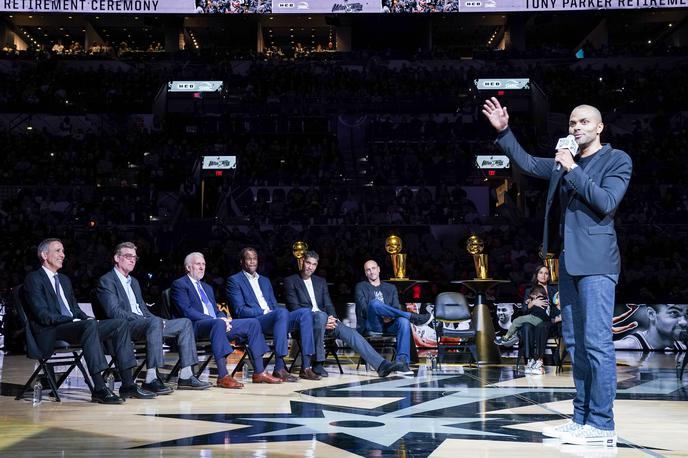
{"type": "Point", "coordinates": [320, 370]}
{"type": "Point", "coordinates": [420, 319]}
{"type": "Point", "coordinates": [134, 391]}
{"type": "Point", "coordinates": [105, 396]}
{"type": "Point", "coordinates": [387, 368]}
{"type": "Point", "coordinates": [192, 383]}
{"type": "Point", "coordinates": [157, 387]}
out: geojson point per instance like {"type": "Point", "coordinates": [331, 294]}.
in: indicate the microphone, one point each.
{"type": "Point", "coordinates": [568, 143]}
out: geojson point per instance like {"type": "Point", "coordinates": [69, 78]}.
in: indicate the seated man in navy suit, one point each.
{"type": "Point", "coordinates": [378, 310]}
{"type": "Point", "coordinates": [55, 315]}
{"type": "Point", "coordinates": [309, 292]}
{"type": "Point", "coordinates": [119, 293]}
{"type": "Point", "coordinates": [195, 300]}
{"type": "Point", "coordinates": [250, 296]}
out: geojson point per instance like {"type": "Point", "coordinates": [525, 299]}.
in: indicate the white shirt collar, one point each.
{"type": "Point", "coordinates": [49, 272]}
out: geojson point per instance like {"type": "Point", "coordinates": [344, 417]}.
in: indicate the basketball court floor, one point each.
{"type": "Point", "coordinates": [460, 411]}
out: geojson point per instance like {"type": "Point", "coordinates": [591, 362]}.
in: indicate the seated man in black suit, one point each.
{"type": "Point", "coordinates": [120, 295]}
{"type": "Point", "coordinates": [305, 290]}
{"type": "Point", "coordinates": [55, 315]}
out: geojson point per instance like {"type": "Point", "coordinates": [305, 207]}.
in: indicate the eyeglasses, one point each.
{"type": "Point", "coordinates": [130, 257]}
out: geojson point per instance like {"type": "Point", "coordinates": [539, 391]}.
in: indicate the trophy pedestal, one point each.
{"type": "Point", "coordinates": [487, 350]}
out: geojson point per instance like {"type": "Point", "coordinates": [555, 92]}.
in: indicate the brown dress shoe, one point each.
{"type": "Point", "coordinates": [228, 382]}
{"type": "Point", "coordinates": [308, 374]}
{"type": "Point", "coordinates": [264, 377]}
{"type": "Point", "coordinates": [285, 376]}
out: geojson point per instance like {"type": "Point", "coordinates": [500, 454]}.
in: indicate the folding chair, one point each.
{"type": "Point", "coordinates": [140, 349]}
{"type": "Point", "coordinates": [331, 348]}
{"type": "Point", "coordinates": [380, 342]}
{"type": "Point", "coordinates": [203, 347]}
{"type": "Point", "coordinates": [62, 354]}
{"type": "Point", "coordinates": [452, 308]}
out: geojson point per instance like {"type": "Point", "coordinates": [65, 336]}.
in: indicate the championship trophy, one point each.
{"type": "Point", "coordinates": [299, 249]}
{"type": "Point", "coordinates": [475, 246]}
{"type": "Point", "coordinates": [552, 265]}
{"type": "Point", "coordinates": [393, 246]}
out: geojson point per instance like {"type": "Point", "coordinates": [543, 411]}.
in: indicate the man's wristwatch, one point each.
{"type": "Point", "coordinates": [573, 167]}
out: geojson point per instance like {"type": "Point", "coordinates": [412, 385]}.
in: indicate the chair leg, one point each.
{"type": "Point", "coordinates": [240, 364]}
{"type": "Point", "coordinates": [50, 376]}
{"type": "Point", "coordinates": [296, 357]}
{"type": "Point", "coordinates": [332, 350]}
{"type": "Point", "coordinates": [202, 366]}
{"type": "Point", "coordinates": [29, 382]}
{"type": "Point", "coordinates": [174, 371]}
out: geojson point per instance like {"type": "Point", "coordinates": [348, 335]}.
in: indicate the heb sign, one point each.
{"type": "Point", "coordinates": [474, 6]}
{"type": "Point", "coordinates": [327, 6]}
{"type": "Point", "coordinates": [99, 6]}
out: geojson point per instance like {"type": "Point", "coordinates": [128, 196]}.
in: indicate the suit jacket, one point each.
{"type": "Point", "coordinates": [243, 301]}
{"type": "Point", "coordinates": [589, 199]}
{"type": "Point", "coordinates": [187, 303]}
{"type": "Point", "coordinates": [44, 309]}
{"type": "Point", "coordinates": [114, 300]}
{"type": "Point", "coordinates": [364, 293]}
{"type": "Point", "coordinates": [297, 295]}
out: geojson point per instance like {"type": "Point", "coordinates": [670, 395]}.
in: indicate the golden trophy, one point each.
{"type": "Point", "coordinates": [552, 265]}
{"type": "Point", "coordinates": [299, 249]}
{"type": "Point", "coordinates": [393, 246]}
{"type": "Point", "coordinates": [475, 246]}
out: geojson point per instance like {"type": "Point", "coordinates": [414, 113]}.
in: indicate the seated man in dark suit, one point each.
{"type": "Point", "coordinates": [250, 296]}
{"type": "Point", "coordinates": [55, 315]}
{"type": "Point", "coordinates": [309, 292]}
{"type": "Point", "coordinates": [120, 295]}
{"type": "Point", "coordinates": [378, 310]}
{"type": "Point", "coordinates": [195, 300]}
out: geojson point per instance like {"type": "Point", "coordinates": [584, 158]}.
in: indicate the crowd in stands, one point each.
{"type": "Point", "coordinates": [97, 187]}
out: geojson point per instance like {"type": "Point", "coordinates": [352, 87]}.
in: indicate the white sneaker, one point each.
{"type": "Point", "coordinates": [589, 435]}
{"type": "Point", "coordinates": [537, 368]}
{"type": "Point", "coordinates": [559, 431]}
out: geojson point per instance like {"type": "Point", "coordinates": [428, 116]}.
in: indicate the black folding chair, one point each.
{"type": "Point", "coordinates": [140, 349]}
{"type": "Point", "coordinates": [203, 347]}
{"type": "Point", "coordinates": [381, 343]}
{"type": "Point", "coordinates": [451, 308]}
{"type": "Point", "coordinates": [331, 348]}
{"type": "Point", "coordinates": [62, 354]}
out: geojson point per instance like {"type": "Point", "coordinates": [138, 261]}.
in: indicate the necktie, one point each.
{"type": "Point", "coordinates": [206, 300]}
{"type": "Point", "coordinates": [63, 307]}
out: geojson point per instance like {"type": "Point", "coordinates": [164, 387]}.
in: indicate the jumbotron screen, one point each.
{"type": "Point", "coordinates": [325, 6]}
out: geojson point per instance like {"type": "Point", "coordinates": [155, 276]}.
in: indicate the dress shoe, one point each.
{"type": "Point", "coordinates": [157, 387]}
{"type": "Point", "coordinates": [320, 370]}
{"type": "Point", "coordinates": [285, 376]}
{"type": "Point", "coordinates": [308, 374]}
{"type": "Point", "coordinates": [192, 383]}
{"type": "Point", "coordinates": [387, 368]}
{"type": "Point", "coordinates": [106, 396]}
{"type": "Point", "coordinates": [264, 377]}
{"type": "Point", "coordinates": [134, 391]}
{"type": "Point", "coordinates": [228, 382]}
{"type": "Point", "coordinates": [420, 319]}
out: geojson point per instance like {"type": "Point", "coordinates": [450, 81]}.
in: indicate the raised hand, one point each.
{"type": "Point", "coordinates": [496, 114]}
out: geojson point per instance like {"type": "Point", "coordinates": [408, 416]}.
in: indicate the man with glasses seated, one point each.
{"type": "Point", "coordinates": [120, 295]}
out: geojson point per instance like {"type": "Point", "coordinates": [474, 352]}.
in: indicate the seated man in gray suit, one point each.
{"type": "Point", "coordinates": [120, 296]}
{"type": "Point", "coordinates": [305, 290]}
